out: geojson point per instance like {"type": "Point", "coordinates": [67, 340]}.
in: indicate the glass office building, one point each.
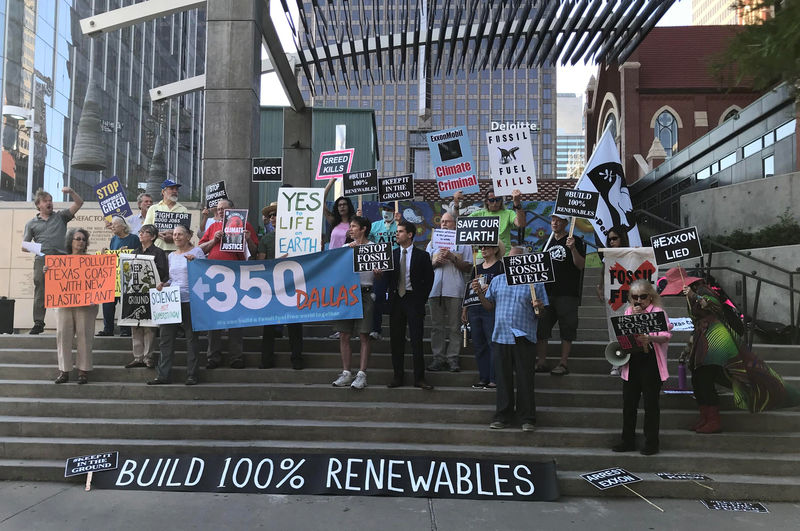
{"type": "Point", "coordinates": [46, 67]}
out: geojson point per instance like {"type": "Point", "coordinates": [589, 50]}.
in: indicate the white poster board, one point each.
{"type": "Point", "coordinates": [511, 162]}
{"type": "Point", "coordinates": [299, 226]}
{"type": "Point", "coordinates": [165, 305]}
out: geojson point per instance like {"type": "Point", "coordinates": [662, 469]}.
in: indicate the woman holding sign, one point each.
{"type": "Point", "coordinates": [121, 239]}
{"type": "Point", "coordinates": [179, 276]}
{"type": "Point", "coordinates": [339, 220]}
{"type": "Point", "coordinates": [644, 373]}
{"type": "Point", "coordinates": [75, 322]}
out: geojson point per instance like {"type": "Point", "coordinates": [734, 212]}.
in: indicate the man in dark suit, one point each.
{"type": "Point", "coordinates": [409, 285]}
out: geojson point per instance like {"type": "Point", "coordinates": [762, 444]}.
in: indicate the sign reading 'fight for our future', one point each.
{"type": "Point", "coordinates": [79, 279]}
{"type": "Point", "coordinates": [478, 230]}
{"type": "Point", "coordinates": [576, 203]}
{"type": "Point", "coordinates": [683, 244]}
{"type": "Point", "coordinates": [529, 268]}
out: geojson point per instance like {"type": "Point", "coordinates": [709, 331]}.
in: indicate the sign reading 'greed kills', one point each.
{"type": "Point", "coordinates": [576, 203]}
{"type": "Point", "coordinates": [528, 268]}
{"type": "Point", "coordinates": [683, 244]}
{"type": "Point", "coordinates": [333, 164]}
{"type": "Point", "coordinates": [478, 230]}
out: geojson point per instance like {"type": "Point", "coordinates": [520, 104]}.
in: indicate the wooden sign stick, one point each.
{"type": "Point", "coordinates": [572, 227]}
{"type": "Point", "coordinates": [533, 298]}
{"type": "Point", "coordinates": [475, 262]}
{"type": "Point", "coordinates": [88, 482]}
{"type": "Point", "coordinates": [360, 202]}
{"type": "Point", "coordinates": [704, 486]}
{"type": "Point", "coordinates": [645, 499]}
{"type": "Point", "coordinates": [397, 206]}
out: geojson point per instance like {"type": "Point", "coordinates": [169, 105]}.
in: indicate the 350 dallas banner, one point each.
{"type": "Point", "coordinates": [315, 287]}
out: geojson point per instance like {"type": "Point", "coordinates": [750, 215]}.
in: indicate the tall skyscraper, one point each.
{"type": "Point", "coordinates": [724, 13]}
{"type": "Point", "coordinates": [570, 136]}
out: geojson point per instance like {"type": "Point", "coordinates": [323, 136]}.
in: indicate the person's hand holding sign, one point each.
{"type": "Point", "coordinates": [538, 304]}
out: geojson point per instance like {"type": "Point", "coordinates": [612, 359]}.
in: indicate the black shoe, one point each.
{"type": "Point", "coordinates": [237, 364]}
{"type": "Point", "coordinates": [454, 368]}
{"type": "Point", "coordinates": [150, 364]}
{"type": "Point", "coordinates": [135, 364]}
{"type": "Point", "coordinates": [212, 364]}
{"type": "Point", "coordinates": [63, 377]}
{"type": "Point", "coordinates": [623, 447]}
{"type": "Point", "coordinates": [191, 381]}
{"type": "Point", "coordinates": [180, 333]}
{"type": "Point", "coordinates": [125, 334]}
{"type": "Point", "coordinates": [479, 385]}
{"type": "Point", "coordinates": [83, 378]}
{"type": "Point", "coordinates": [297, 363]}
{"type": "Point", "coordinates": [395, 383]}
{"type": "Point", "coordinates": [422, 384]}
{"type": "Point", "coordinates": [104, 333]}
{"type": "Point", "coordinates": [158, 382]}
{"type": "Point", "coordinates": [267, 363]}
{"type": "Point", "coordinates": [37, 329]}
{"type": "Point", "coordinates": [436, 367]}
{"type": "Point", "coordinates": [649, 450]}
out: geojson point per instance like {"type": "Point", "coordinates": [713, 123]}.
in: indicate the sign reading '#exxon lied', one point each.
{"type": "Point", "coordinates": [345, 475]}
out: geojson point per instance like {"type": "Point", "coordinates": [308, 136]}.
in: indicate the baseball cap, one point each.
{"type": "Point", "coordinates": [169, 182]}
{"type": "Point", "coordinates": [560, 216]}
{"type": "Point", "coordinates": [389, 206]}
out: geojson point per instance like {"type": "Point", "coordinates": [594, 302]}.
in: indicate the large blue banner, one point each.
{"type": "Point", "coordinates": [314, 287]}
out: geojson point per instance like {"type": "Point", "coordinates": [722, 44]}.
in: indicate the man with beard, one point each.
{"type": "Point", "coordinates": [168, 203]}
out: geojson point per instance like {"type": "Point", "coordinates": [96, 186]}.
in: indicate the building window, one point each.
{"type": "Point", "coordinates": [728, 161]}
{"type": "Point", "coordinates": [733, 113]}
{"type": "Point", "coordinates": [752, 148]}
{"type": "Point", "coordinates": [666, 130]}
{"type": "Point", "coordinates": [785, 130]}
{"type": "Point", "coordinates": [768, 166]}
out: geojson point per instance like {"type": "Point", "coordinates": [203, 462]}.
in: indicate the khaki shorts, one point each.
{"type": "Point", "coordinates": [359, 326]}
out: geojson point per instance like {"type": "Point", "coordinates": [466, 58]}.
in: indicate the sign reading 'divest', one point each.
{"type": "Point", "coordinates": [576, 203]}
{"type": "Point", "coordinates": [267, 169]}
{"type": "Point", "coordinates": [339, 475]}
{"type": "Point", "coordinates": [400, 188]}
{"type": "Point", "coordinates": [359, 183]}
{"type": "Point", "coordinates": [511, 162]}
{"type": "Point", "coordinates": [683, 244]}
{"type": "Point", "coordinates": [683, 477]}
{"type": "Point", "coordinates": [738, 506]}
{"type": "Point", "coordinates": [334, 164]}
{"type": "Point", "coordinates": [373, 256]}
{"type": "Point", "coordinates": [169, 220]}
{"type": "Point", "coordinates": [529, 268]}
{"type": "Point", "coordinates": [215, 192]}
{"type": "Point", "coordinates": [91, 463]}
{"type": "Point", "coordinates": [478, 230]}
{"type": "Point", "coordinates": [610, 477]}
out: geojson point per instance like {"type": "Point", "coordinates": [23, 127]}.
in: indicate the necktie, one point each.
{"type": "Point", "coordinates": [401, 280]}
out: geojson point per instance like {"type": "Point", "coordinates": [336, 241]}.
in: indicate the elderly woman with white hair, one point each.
{"type": "Point", "coordinates": [122, 239]}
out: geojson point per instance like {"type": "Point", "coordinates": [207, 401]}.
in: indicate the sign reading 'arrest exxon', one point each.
{"type": "Point", "coordinates": [452, 162]}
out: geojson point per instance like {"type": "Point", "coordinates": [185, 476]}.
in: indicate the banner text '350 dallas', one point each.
{"type": "Point", "coordinates": [315, 287]}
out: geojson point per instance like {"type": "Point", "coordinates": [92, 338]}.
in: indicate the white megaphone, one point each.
{"type": "Point", "coordinates": [615, 355]}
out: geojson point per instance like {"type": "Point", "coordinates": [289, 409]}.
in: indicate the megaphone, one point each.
{"type": "Point", "coordinates": [615, 355]}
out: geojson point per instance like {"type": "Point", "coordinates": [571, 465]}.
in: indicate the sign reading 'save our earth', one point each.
{"type": "Point", "coordinates": [576, 203]}
{"type": "Point", "coordinates": [683, 244]}
{"type": "Point", "coordinates": [267, 169]}
{"type": "Point", "coordinates": [610, 477]}
{"type": "Point", "coordinates": [359, 183]}
{"type": "Point", "coordinates": [528, 268]}
{"type": "Point", "coordinates": [399, 188]}
{"type": "Point", "coordinates": [334, 164]}
{"type": "Point", "coordinates": [373, 256]}
{"type": "Point", "coordinates": [478, 230]}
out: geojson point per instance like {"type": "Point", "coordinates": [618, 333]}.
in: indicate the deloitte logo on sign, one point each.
{"type": "Point", "coordinates": [504, 126]}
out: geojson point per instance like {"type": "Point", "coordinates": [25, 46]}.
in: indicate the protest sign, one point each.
{"type": "Point", "coordinates": [683, 244]}
{"type": "Point", "coordinates": [316, 287]}
{"type": "Point", "coordinates": [234, 222]}
{"type": "Point", "coordinates": [215, 192]}
{"type": "Point", "coordinates": [111, 196]}
{"type": "Point", "coordinates": [529, 268]}
{"type": "Point", "coordinates": [511, 162]}
{"type": "Point", "coordinates": [443, 239]}
{"type": "Point", "coordinates": [576, 203]}
{"type": "Point", "coordinates": [621, 267]}
{"type": "Point", "coordinates": [365, 474]}
{"type": "Point", "coordinates": [470, 297]}
{"type": "Point", "coordinates": [79, 279]}
{"type": "Point", "coordinates": [627, 326]}
{"type": "Point", "coordinates": [478, 230]}
{"type": "Point", "coordinates": [399, 188]}
{"type": "Point", "coordinates": [84, 464]}
{"type": "Point", "coordinates": [452, 162]}
{"type": "Point", "coordinates": [683, 477]}
{"type": "Point", "coordinates": [373, 256]}
{"type": "Point", "coordinates": [165, 221]}
{"type": "Point", "coordinates": [117, 282]}
{"type": "Point", "coordinates": [737, 506]}
{"type": "Point", "coordinates": [610, 477]}
{"type": "Point", "coordinates": [267, 169]}
{"type": "Point", "coordinates": [165, 305]}
{"type": "Point", "coordinates": [359, 183]}
{"type": "Point", "coordinates": [138, 276]}
{"type": "Point", "coordinates": [299, 225]}
{"type": "Point", "coordinates": [334, 164]}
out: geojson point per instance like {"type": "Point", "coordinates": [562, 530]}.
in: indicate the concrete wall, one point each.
{"type": "Point", "coordinates": [773, 302]}
{"type": "Point", "coordinates": [749, 206]}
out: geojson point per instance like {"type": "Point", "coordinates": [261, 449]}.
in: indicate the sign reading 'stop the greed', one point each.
{"type": "Point", "coordinates": [334, 164]}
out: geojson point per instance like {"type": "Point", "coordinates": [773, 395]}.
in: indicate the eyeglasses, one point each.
{"type": "Point", "coordinates": [79, 239]}
{"type": "Point", "coordinates": [636, 297]}
{"type": "Point", "coordinates": [493, 199]}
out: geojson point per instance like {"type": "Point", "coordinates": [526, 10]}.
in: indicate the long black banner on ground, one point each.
{"type": "Point", "coordinates": [346, 475]}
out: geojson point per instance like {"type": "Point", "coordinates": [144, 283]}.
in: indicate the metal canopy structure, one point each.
{"type": "Point", "coordinates": [346, 42]}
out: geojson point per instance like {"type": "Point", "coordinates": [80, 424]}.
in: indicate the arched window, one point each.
{"type": "Point", "coordinates": [612, 120]}
{"type": "Point", "coordinates": [666, 130]}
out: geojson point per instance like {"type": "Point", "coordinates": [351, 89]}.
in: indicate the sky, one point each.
{"type": "Point", "coordinates": [571, 79]}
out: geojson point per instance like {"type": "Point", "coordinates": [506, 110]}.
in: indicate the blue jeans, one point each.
{"type": "Point", "coordinates": [481, 323]}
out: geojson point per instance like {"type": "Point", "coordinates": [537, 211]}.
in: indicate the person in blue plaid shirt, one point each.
{"type": "Point", "coordinates": [514, 337]}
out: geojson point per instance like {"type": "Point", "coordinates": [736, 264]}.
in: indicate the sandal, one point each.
{"type": "Point", "coordinates": [83, 378]}
{"type": "Point", "coordinates": [63, 377]}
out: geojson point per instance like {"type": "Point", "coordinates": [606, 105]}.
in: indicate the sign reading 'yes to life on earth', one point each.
{"type": "Point", "coordinates": [299, 225]}
{"type": "Point", "coordinates": [683, 244]}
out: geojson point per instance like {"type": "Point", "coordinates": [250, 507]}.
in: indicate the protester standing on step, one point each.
{"type": "Point", "coordinates": [75, 323]}
{"type": "Point", "coordinates": [382, 231]}
{"type": "Point", "coordinates": [481, 320]}
{"type": "Point", "coordinates": [514, 342]}
{"type": "Point", "coordinates": [445, 299]}
{"type": "Point", "coordinates": [179, 276]}
{"type": "Point", "coordinates": [615, 238]}
{"type": "Point", "coordinates": [568, 254]}
{"type": "Point", "coordinates": [644, 373]}
{"type": "Point", "coordinates": [210, 244]}
{"type": "Point", "coordinates": [168, 203]}
{"type": "Point", "coordinates": [135, 221]}
{"type": "Point", "coordinates": [339, 221]}
{"type": "Point", "coordinates": [359, 228]}
{"type": "Point", "coordinates": [494, 207]}
{"type": "Point", "coordinates": [143, 337]}
{"type": "Point", "coordinates": [48, 229]}
{"type": "Point", "coordinates": [121, 239]}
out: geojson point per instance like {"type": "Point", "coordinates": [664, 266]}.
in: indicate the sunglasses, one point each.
{"type": "Point", "coordinates": [79, 239]}
{"type": "Point", "coordinates": [636, 297]}
{"type": "Point", "coordinates": [493, 199]}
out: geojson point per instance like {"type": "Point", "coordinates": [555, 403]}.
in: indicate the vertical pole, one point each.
{"type": "Point", "coordinates": [32, 144]}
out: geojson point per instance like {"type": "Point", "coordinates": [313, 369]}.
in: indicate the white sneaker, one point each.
{"type": "Point", "coordinates": [375, 335]}
{"type": "Point", "coordinates": [334, 335]}
{"type": "Point", "coordinates": [615, 371]}
{"type": "Point", "coordinates": [361, 380]}
{"type": "Point", "coordinates": [344, 379]}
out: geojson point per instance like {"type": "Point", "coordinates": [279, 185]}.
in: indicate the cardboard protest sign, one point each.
{"type": "Point", "coordinates": [79, 279]}
{"type": "Point", "coordinates": [452, 162]}
{"type": "Point", "coordinates": [610, 477]}
{"type": "Point", "coordinates": [478, 230]}
{"type": "Point", "coordinates": [113, 201]}
{"type": "Point", "coordinates": [621, 267]}
{"type": "Point", "coordinates": [298, 229]}
{"type": "Point", "coordinates": [627, 326]}
{"type": "Point", "coordinates": [359, 183]}
{"type": "Point", "coordinates": [165, 221]}
{"type": "Point", "coordinates": [234, 222]}
{"type": "Point", "coordinates": [373, 256]}
{"type": "Point", "coordinates": [737, 506]}
{"type": "Point", "coordinates": [529, 268]}
{"type": "Point", "coordinates": [84, 464]}
{"type": "Point", "coordinates": [165, 305]}
{"type": "Point", "coordinates": [683, 244]}
{"type": "Point", "coordinates": [470, 297]}
{"type": "Point", "coordinates": [215, 192]}
{"type": "Point", "coordinates": [683, 477]}
{"type": "Point", "coordinates": [443, 239]}
{"type": "Point", "coordinates": [138, 276]}
{"type": "Point", "coordinates": [576, 203]}
{"type": "Point", "coordinates": [511, 162]}
{"type": "Point", "coordinates": [399, 188]}
{"type": "Point", "coordinates": [334, 164]}
{"type": "Point", "coordinates": [117, 283]}
{"type": "Point", "coordinates": [267, 169]}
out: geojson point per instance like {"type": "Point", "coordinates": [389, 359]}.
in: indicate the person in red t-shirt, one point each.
{"type": "Point", "coordinates": [210, 244]}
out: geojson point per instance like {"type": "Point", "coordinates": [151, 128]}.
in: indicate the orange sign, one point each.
{"type": "Point", "coordinates": [79, 279]}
